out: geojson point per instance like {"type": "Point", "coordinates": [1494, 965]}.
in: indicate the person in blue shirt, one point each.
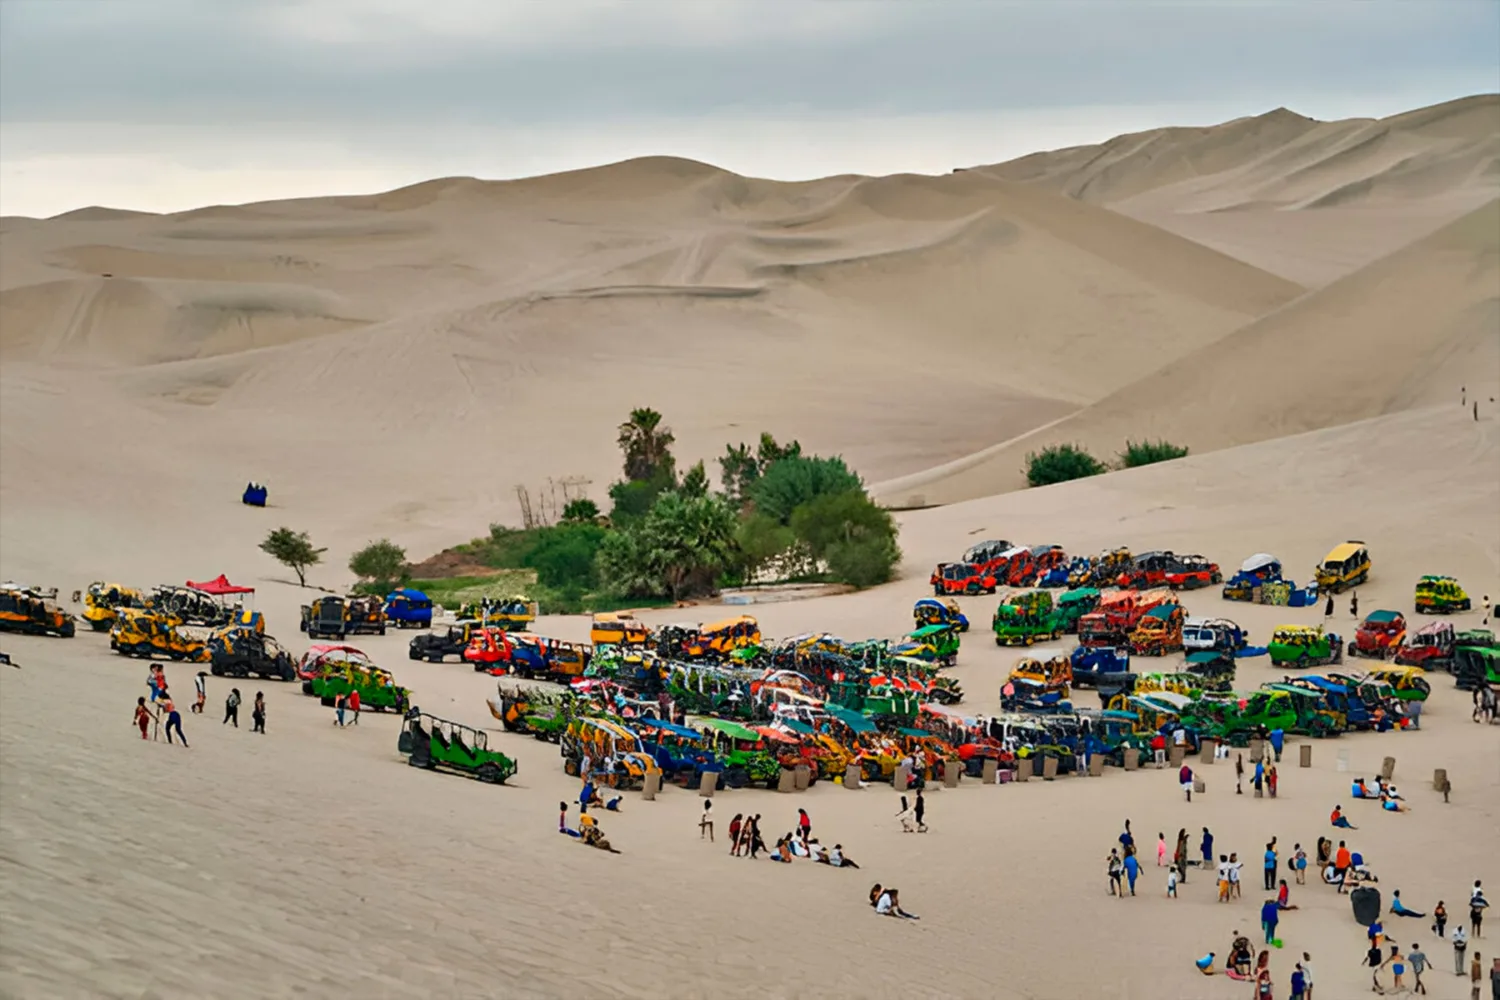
{"type": "Point", "coordinates": [1299, 983]}
{"type": "Point", "coordinates": [1278, 738]}
{"type": "Point", "coordinates": [1132, 870]}
{"type": "Point", "coordinates": [1269, 916]}
{"type": "Point", "coordinates": [1208, 848]}
{"type": "Point", "coordinates": [1270, 873]}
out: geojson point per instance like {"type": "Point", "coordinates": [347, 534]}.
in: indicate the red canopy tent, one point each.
{"type": "Point", "coordinates": [219, 586]}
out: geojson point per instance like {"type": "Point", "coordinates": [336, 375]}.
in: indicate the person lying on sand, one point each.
{"type": "Point", "coordinates": [836, 858]}
{"type": "Point", "coordinates": [1206, 964]}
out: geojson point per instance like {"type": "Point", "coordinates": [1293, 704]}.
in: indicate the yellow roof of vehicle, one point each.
{"type": "Point", "coordinates": [1298, 630]}
{"type": "Point", "coordinates": [1342, 553]}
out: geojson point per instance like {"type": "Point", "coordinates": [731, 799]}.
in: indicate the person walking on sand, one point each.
{"type": "Point", "coordinates": [1354, 605]}
{"type": "Point", "coordinates": [1270, 867]}
{"type": "Point", "coordinates": [1185, 781]}
{"type": "Point", "coordinates": [919, 810]}
{"type": "Point", "coordinates": [804, 823]}
{"type": "Point", "coordinates": [174, 721]}
{"type": "Point", "coordinates": [1307, 973]}
{"type": "Point", "coordinates": [1179, 856]}
{"type": "Point", "coordinates": [1460, 947]}
{"type": "Point", "coordinates": [142, 716]}
{"type": "Point", "coordinates": [706, 821]}
{"type": "Point", "coordinates": [905, 812]}
{"type": "Point", "coordinates": [200, 688]}
{"type": "Point", "coordinates": [1439, 919]}
{"type": "Point", "coordinates": [1476, 969]}
{"type": "Point", "coordinates": [1235, 864]}
{"type": "Point", "coordinates": [1207, 848]}
{"type": "Point", "coordinates": [258, 714]}
{"type": "Point", "coordinates": [354, 706]}
{"type": "Point", "coordinates": [1171, 883]}
{"type": "Point", "coordinates": [1116, 869]}
{"type": "Point", "coordinates": [232, 708]}
{"type": "Point", "coordinates": [1418, 961]}
{"type": "Point", "coordinates": [1239, 774]}
{"type": "Point", "coordinates": [338, 710]}
{"type": "Point", "coordinates": [1161, 850]}
{"type": "Point", "coordinates": [1132, 870]}
{"type": "Point", "coordinates": [736, 826]}
{"type": "Point", "coordinates": [1328, 608]}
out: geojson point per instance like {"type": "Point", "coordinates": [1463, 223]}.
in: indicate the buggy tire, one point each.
{"type": "Point", "coordinates": [412, 654]}
{"type": "Point", "coordinates": [434, 658]}
{"type": "Point", "coordinates": [216, 669]}
{"type": "Point", "coordinates": [488, 772]}
{"type": "Point", "coordinates": [736, 777]}
{"type": "Point", "coordinates": [972, 589]}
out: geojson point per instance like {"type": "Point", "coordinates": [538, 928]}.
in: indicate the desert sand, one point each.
{"type": "Point", "coordinates": [394, 365]}
{"type": "Point", "coordinates": [1306, 199]}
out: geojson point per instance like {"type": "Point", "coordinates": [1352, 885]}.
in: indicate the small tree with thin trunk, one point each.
{"type": "Point", "coordinates": [380, 562]}
{"type": "Point", "coordinates": [294, 549]}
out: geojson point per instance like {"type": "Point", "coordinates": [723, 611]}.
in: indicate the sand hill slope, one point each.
{"type": "Point", "coordinates": [903, 321]}
{"type": "Point", "coordinates": [1407, 331]}
{"type": "Point", "coordinates": [1308, 199]}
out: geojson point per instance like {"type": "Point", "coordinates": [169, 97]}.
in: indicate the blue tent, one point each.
{"type": "Point", "coordinates": [254, 495]}
{"type": "Point", "coordinates": [407, 608]}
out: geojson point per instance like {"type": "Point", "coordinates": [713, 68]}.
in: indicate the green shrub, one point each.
{"type": "Point", "coordinates": [1139, 453]}
{"type": "Point", "coordinates": [565, 557]}
{"type": "Point", "coordinates": [381, 563]}
{"type": "Point", "coordinates": [1060, 463]}
{"type": "Point", "coordinates": [790, 482]}
{"type": "Point", "coordinates": [863, 562]}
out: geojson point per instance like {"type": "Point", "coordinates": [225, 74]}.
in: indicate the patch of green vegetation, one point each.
{"type": "Point", "coordinates": [1138, 453]}
{"type": "Point", "coordinates": [1060, 463]}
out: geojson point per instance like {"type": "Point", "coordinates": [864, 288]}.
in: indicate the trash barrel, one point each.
{"type": "Point", "coordinates": [1132, 758]}
{"type": "Point", "coordinates": [1388, 768]}
{"type": "Point", "coordinates": [1365, 902]}
{"type": "Point", "coordinates": [1049, 768]}
{"type": "Point", "coordinates": [787, 782]}
{"type": "Point", "coordinates": [1439, 778]}
{"type": "Point", "coordinates": [1305, 755]}
{"type": "Point", "coordinates": [990, 771]}
{"type": "Point", "coordinates": [802, 779]}
{"type": "Point", "coordinates": [708, 783]}
{"type": "Point", "coordinates": [1024, 769]}
{"type": "Point", "coordinates": [651, 784]}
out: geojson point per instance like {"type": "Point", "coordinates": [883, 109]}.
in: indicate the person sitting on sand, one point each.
{"type": "Point", "coordinates": [594, 838]}
{"type": "Point", "coordinates": [783, 850]}
{"type": "Point", "coordinates": [1399, 908]}
{"type": "Point", "coordinates": [1338, 819]}
{"type": "Point", "coordinates": [889, 905]}
{"type": "Point", "coordinates": [1283, 897]}
{"type": "Point", "coordinates": [1359, 790]}
{"type": "Point", "coordinates": [1394, 805]}
{"type": "Point", "coordinates": [836, 859]}
{"type": "Point", "coordinates": [1206, 964]}
{"type": "Point", "coordinates": [613, 805]}
{"type": "Point", "coordinates": [1239, 955]}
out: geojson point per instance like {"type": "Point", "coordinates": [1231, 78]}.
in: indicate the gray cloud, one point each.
{"type": "Point", "coordinates": [499, 63]}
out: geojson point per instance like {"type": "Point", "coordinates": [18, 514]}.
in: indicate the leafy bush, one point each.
{"type": "Point", "coordinates": [382, 563]}
{"type": "Point", "coordinates": [632, 499]}
{"type": "Point", "coordinates": [762, 541]}
{"type": "Point", "coordinates": [849, 534]}
{"type": "Point", "coordinates": [863, 562]}
{"type": "Point", "coordinates": [1060, 463]}
{"type": "Point", "coordinates": [1139, 453]}
{"type": "Point", "coordinates": [678, 549]}
{"type": "Point", "coordinates": [582, 509]}
{"type": "Point", "coordinates": [564, 556]}
{"type": "Point", "coordinates": [788, 483]}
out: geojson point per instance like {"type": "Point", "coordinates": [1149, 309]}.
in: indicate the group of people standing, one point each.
{"type": "Point", "coordinates": [162, 707]}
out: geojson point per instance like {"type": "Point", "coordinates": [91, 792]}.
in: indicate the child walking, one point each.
{"type": "Point", "coordinates": [1161, 850]}
{"type": "Point", "coordinates": [142, 716]}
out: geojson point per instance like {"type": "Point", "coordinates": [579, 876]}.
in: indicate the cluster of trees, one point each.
{"type": "Point", "coordinates": [1060, 463]}
{"type": "Point", "coordinates": [780, 514]}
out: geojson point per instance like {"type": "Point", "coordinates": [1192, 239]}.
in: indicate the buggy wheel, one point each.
{"type": "Point", "coordinates": [736, 777]}
{"type": "Point", "coordinates": [216, 669]}
{"type": "Point", "coordinates": [412, 654]}
{"type": "Point", "coordinates": [489, 772]}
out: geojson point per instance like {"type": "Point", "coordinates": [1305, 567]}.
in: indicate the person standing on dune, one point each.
{"type": "Point", "coordinates": [142, 716]}
{"type": "Point", "coordinates": [174, 721]}
{"type": "Point", "coordinates": [258, 714]}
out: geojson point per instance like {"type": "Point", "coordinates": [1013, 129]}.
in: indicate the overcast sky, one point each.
{"type": "Point", "coordinates": [172, 104]}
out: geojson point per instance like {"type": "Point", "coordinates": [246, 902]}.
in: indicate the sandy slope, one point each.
{"type": "Point", "coordinates": [1409, 330]}
{"type": "Point", "coordinates": [313, 861]}
{"type": "Point", "coordinates": [901, 321]}
{"type": "Point", "coordinates": [1307, 199]}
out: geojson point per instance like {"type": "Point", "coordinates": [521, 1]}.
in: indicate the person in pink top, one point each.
{"type": "Point", "coordinates": [1161, 850]}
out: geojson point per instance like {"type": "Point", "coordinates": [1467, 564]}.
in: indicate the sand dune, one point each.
{"type": "Point", "coordinates": [836, 311]}
{"type": "Point", "coordinates": [1306, 199]}
{"type": "Point", "coordinates": [1409, 330]}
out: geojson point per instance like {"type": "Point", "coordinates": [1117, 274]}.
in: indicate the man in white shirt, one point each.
{"type": "Point", "coordinates": [883, 906]}
{"type": "Point", "coordinates": [1234, 874]}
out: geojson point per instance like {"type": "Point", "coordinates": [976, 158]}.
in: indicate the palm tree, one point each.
{"type": "Point", "coordinates": [646, 444]}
